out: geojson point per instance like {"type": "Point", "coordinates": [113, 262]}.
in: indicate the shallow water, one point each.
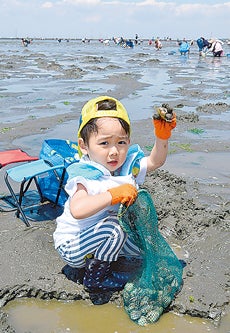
{"type": "Point", "coordinates": [81, 317]}
{"type": "Point", "coordinates": [49, 78]}
{"type": "Point", "coordinates": [35, 81]}
{"type": "Point", "coordinates": [209, 170]}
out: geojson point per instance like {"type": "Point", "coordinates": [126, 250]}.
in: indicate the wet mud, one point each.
{"type": "Point", "coordinates": [193, 210]}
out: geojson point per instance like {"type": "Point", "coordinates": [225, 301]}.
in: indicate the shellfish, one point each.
{"type": "Point", "coordinates": [164, 112]}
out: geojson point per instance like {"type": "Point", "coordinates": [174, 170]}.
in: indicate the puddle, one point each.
{"type": "Point", "coordinates": [38, 316]}
{"type": "Point", "coordinates": [211, 170]}
{"type": "Point", "coordinates": [224, 116]}
{"type": "Point", "coordinates": [201, 165]}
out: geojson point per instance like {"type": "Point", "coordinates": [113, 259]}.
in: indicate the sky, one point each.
{"type": "Point", "coordinates": [114, 18]}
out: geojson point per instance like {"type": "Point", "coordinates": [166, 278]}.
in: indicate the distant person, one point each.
{"type": "Point", "coordinates": [129, 43]}
{"type": "Point", "coordinates": [184, 47]}
{"type": "Point", "coordinates": [202, 44]}
{"type": "Point", "coordinates": [158, 44]}
{"type": "Point", "coordinates": [106, 42]}
{"type": "Point", "coordinates": [215, 46]}
{"type": "Point", "coordinates": [26, 41]}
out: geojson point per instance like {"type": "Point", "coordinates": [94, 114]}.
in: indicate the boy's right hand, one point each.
{"type": "Point", "coordinates": [125, 194]}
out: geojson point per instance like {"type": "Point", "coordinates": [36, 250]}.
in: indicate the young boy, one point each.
{"type": "Point", "coordinates": [88, 233]}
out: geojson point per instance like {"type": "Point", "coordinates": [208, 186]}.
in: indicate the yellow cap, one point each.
{"type": "Point", "coordinates": [90, 111]}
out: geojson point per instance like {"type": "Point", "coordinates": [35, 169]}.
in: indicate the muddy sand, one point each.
{"type": "Point", "coordinates": [197, 229]}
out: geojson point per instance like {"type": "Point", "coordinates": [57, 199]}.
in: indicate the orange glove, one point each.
{"type": "Point", "coordinates": [125, 194]}
{"type": "Point", "coordinates": [163, 128]}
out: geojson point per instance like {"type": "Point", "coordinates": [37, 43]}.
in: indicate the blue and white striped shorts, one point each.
{"type": "Point", "coordinates": [106, 240]}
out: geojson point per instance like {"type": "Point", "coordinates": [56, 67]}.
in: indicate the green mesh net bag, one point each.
{"type": "Point", "coordinates": [150, 292]}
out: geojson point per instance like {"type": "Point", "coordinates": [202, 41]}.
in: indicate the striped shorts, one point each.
{"type": "Point", "coordinates": [106, 240]}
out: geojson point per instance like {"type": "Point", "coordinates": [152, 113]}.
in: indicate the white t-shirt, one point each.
{"type": "Point", "coordinates": [67, 225]}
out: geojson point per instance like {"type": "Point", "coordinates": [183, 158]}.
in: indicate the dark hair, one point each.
{"type": "Point", "coordinates": [91, 126]}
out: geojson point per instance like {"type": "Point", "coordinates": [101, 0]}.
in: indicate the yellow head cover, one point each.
{"type": "Point", "coordinates": [90, 111]}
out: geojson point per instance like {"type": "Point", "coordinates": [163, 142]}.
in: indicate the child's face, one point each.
{"type": "Point", "coordinates": [109, 146]}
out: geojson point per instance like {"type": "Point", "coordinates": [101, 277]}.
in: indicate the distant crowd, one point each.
{"type": "Point", "coordinates": [214, 46]}
{"type": "Point", "coordinates": [205, 46]}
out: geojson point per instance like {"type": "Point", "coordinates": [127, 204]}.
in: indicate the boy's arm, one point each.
{"type": "Point", "coordinates": [159, 152]}
{"type": "Point", "coordinates": [158, 155]}
{"type": "Point", "coordinates": [83, 205]}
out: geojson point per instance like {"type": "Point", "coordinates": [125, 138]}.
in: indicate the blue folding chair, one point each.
{"type": "Point", "coordinates": [27, 173]}
{"type": "Point", "coordinates": [7, 157]}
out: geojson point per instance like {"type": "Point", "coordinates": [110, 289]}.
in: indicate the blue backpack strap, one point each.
{"type": "Point", "coordinates": [84, 170]}
{"type": "Point", "coordinates": [132, 163]}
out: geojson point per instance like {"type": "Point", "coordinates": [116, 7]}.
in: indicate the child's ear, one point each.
{"type": "Point", "coordinates": [82, 146]}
